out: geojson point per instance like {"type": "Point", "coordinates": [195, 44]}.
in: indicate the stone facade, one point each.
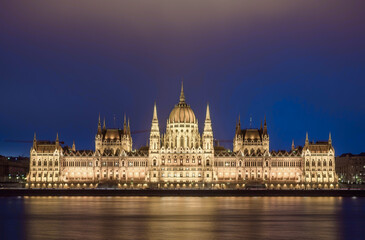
{"type": "Point", "coordinates": [182, 158]}
{"type": "Point", "coordinates": [351, 168]}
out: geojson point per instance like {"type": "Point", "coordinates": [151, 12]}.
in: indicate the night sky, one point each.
{"type": "Point", "coordinates": [300, 63]}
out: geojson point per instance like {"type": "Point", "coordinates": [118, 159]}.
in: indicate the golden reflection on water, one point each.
{"type": "Point", "coordinates": [182, 217]}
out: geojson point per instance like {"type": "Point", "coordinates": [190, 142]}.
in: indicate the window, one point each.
{"type": "Point", "coordinates": [330, 163]}
{"type": "Point", "coordinates": [207, 162]}
{"type": "Point", "coordinates": [33, 163]}
{"type": "Point", "coordinates": [154, 163]}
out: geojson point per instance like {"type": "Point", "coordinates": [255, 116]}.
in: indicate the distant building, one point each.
{"type": "Point", "coordinates": [13, 169]}
{"type": "Point", "coordinates": [350, 168]}
{"type": "Point", "coordinates": [182, 158]}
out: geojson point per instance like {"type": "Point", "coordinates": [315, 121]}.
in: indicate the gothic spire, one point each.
{"type": "Point", "coordinates": [35, 140]}
{"type": "Point", "coordinates": [207, 116]}
{"type": "Point", "coordinates": [182, 96]}
{"type": "Point", "coordinates": [155, 126]}
{"type": "Point", "coordinates": [306, 139]}
{"type": "Point", "coordinates": [330, 139]}
{"type": "Point", "coordinates": [104, 125]}
{"type": "Point", "coordinates": [73, 146]}
{"type": "Point", "coordinates": [154, 113]}
{"type": "Point", "coordinates": [99, 125]}
{"type": "Point", "coordinates": [57, 140]}
{"type": "Point", "coordinates": [128, 128]}
{"type": "Point", "coordinates": [292, 145]}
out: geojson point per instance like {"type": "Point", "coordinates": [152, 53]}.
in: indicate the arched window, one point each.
{"type": "Point", "coordinates": [154, 162]}
{"type": "Point", "coordinates": [33, 163]}
{"type": "Point", "coordinates": [45, 163]}
{"type": "Point", "coordinates": [240, 164]}
{"type": "Point", "coordinates": [313, 163]}
{"type": "Point", "coordinates": [307, 164]}
{"type": "Point", "coordinates": [56, 163]}
{"type": "Point", "coordinates": [324, 163]}
{"type": "Point", "coordinates": [319, 163]}
{"type": "Point", "coordinates": [207, 162]}
{"type": "Point", "coordinates": [50, 163]}
{"type": "Point", "coordinates": [330, 163]}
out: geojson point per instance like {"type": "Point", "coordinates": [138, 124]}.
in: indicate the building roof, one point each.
{"type": "Point", "coordinates": [182, 113]}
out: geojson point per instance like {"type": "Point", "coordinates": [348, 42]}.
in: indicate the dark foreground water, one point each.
{"type": "Point", "coordinates": [182, 218]}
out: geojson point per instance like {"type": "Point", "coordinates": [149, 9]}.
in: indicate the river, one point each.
{"type": "Point", "coordinates": [182, 218]}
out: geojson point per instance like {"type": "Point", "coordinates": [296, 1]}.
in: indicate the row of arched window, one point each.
{"type": "Point", "coordinates": [319, 163]}
{"type": "Point", "coordinates": [45, 163]}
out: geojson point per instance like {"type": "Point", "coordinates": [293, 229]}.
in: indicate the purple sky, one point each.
{"type": "Point", "coordinates": [300, 63]}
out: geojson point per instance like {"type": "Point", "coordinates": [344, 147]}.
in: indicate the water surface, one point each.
{"type": "Point", "coordinates": [182, 218]}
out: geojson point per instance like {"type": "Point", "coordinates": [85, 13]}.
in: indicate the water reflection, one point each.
{"type": "Point", "coordinates": [181, 217]}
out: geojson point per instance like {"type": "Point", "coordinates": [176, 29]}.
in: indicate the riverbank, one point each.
{"type": "Point", "coordinates": [188, 192]}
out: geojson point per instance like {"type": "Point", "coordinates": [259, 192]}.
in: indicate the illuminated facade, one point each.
{"type": "Point", "coordinates": [182, 158]}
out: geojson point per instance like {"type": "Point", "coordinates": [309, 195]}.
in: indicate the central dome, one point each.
{"type": "Point", "coordinates": [182, 113]}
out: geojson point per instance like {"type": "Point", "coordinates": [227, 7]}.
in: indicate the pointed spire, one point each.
{"type": "Point", "coordinates": [99, 125]}
{"type": "Point", "coordinates": [35, 140]}
{"type": "Point", "coordinates": [104, 125]}
{"type": "Point", "coordinates": [261, 125]}
{"type": "Point", "coordinates": [330, 139]}
{"type": "Point", "coordinates": [155, 126]}
{"type": "Point", "coordinates": [182, 96]}
{"type": "Point", "coordinates": [154, 112]}
{"type": "Point", "coordinates": [207, 116]}
{"type": "Point", "coordinates": [73, 146]}
{"type": "Point", "coordinates": [306, 139]}
{"type": "Point", "coordinates": [128, 128]}
{"type": "Point", "coordinates": [265, 126]}
{"type": "Point", "coordinates": [57, 140]}
{"type": "Point", "coordinates": [292, 145]}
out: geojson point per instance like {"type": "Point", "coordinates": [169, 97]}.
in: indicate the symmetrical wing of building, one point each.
{"type": "Point", "coordinates": [182, 158]}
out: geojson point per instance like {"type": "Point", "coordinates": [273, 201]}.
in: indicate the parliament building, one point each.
{"type": "Point", "coordinates": [181, 158]}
